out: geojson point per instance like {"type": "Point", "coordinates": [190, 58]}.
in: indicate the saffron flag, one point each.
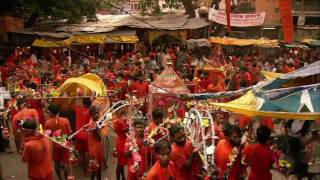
{"type": "Point", "coordinates": [228, 13]}
{"type": "Point", "coordinates": [286, 20]}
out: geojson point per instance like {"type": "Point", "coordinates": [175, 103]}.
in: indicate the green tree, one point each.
{"type": "Point", "coordinates": [71, 10]}
{"type": "Point", "coordinates": [187, 4]}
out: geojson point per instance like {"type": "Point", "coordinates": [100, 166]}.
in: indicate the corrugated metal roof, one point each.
{"type": "Point", "coordinates": [108, 23]}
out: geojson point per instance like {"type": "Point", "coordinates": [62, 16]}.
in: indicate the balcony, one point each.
{"type": "Point", "coordinates": [306, 5]}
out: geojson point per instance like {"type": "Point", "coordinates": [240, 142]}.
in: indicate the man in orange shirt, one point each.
{"type": "Point", "coordinates": [183, 154]}
{"type": "Point", "coordinates": [82, 118]}
{"type": "Point", "coordinates": [37, 153]}
{"type": "Point", "coordinates": [23, 114]}
{"type": "Point", "coordinates": [139, 87]}
{"type": "Point", "coordinates": [120, 127]}
{"type": "Point", "coordinates": [164, 168]}
{"type": "Point", "coordinates": [60, 154]}
{"type": "Point", "coordinates": [95, 148]}
{"type": "Point", "coordinates": [259, 156]}
{"type": "Point", "coordinates": [224, 151]}
{"type": "Point", "coordinates": [157, 119]}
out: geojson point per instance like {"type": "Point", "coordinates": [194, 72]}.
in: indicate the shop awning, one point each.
{"type": "Point", "coordinates": [51, 43]}
{"type": "Point", "coordinates": [121, 36]}
{"type": "Point", "coordinates": [88, 39]}
{"type": "Point", "coordinates": [264, 43]}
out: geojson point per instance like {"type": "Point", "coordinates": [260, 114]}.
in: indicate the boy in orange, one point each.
{"type": "Point", "coordinates": [164, 168]}
{"type": "Point", "coordinates": [60, 154]}
{"type": "Point", "coordinates": [96, 149]}
{"type": "Point", "coordinates": [183, 154]}
{"type": "Point", "coordinates": [139, 127]}
{"type": "Point", "coordinates": [37, 153]}
{"type": "Point", "coordinates": [23, 114]}
{"type": "Point", "coordinates": [120, 127]}
{"type": "Point", "coordinates": [157, 118]}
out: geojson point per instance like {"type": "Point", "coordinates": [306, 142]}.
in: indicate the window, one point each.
{"type": "Point", "coordinates": [135, 6]}
{"type": "Point", "coordinates": [276, 10]}
{"type": "Point", "coordinates": [164, 6]}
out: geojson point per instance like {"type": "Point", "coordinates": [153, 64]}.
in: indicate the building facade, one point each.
{"type": "Point", "coordinates": [306, 17]}
{"type": "Point", "coordinates": [177, 6]}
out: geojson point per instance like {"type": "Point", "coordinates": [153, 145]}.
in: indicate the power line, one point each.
{"type": "Point", "coordinates": [85, 55]}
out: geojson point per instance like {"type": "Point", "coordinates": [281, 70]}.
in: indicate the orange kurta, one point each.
{"type": "Point", "coordinates": [161, 173]}
{"type": "Point", "coordinates": [37, 153]}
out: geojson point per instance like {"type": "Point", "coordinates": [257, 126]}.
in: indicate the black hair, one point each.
{"type": "Point", "coordinates": [225, 127]}
{"type": "Point", "coordinates": [30, 124]}
{"type": "Point", "coordinates": [93, 110]}
{"type": "Point", "coordinates": [21, 102]}
{"type": "Point", "coordinates": [33, 85]}
{"type": "Point", "coordinates": [54, 108]}
{"type": "Point", "coordinates": [86, 102]}
{"type": "Point", "coordinates": [232, 129]}
{"type": "Point", "coordinates": [139, 121]}
{"type": "Point", "coordinates": [159, 146]}
{"type": "Point", "coordinates": [263, 134]}
{"type": "Point", "coordinates": [174, 129]}
{"type": "Point", "coordinates": [157, 114]}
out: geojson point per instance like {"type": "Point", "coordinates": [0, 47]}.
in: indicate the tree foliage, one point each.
{"type": "Point", "coordinates": [173, 4]}
{"type": "Point", "coordinates": [75, 10]}
{"type": "Point", "coordinates": [70, 10]}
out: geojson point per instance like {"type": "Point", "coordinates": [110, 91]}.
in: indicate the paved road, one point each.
{"type": "Point", "coordinates": [14, 168]}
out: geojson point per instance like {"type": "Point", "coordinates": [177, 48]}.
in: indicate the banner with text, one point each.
{"type": "Point", "coordinates": [237, 20]}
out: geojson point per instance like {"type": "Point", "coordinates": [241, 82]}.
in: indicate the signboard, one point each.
{"type": "Point", "coordinates": [237, 20]}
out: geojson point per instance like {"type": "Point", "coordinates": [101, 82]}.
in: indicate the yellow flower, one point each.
{"type": "Point", "coordinates": [54, 93]}
{"type": "Point", "coordinates": [205, 123]}
{"type": "Point", "coordinates": [284, 163]}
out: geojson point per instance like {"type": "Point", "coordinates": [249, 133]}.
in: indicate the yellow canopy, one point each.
{"type": "Point", "coordinates": [122, 38]}
{"type": "Point", "coordinates": [46, 43]}
{"type": "Point", "coordinates": [230, 41]}
{"type": "Point", "coordinates": [266, 43]}
{"type": "Point", "coordinates": [88, 83]}
{"type": "Point", "coordinates": [96, 79]}
{"type": "Point", "coordinates": [249, 104]}
{"type": "Point", "coordinates": [270, 75]}
{"type": "Point", "coordinates": [89, 39]}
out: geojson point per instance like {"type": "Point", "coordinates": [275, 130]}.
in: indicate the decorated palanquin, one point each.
{"type": "Point", "coordinates": [164, 94]}
{"type": "Point", "coordinates": [87, 85]}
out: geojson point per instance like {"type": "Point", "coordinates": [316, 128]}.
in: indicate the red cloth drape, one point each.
{"type": "Point", "coordinates": [286, 20]}
{"type": "Point", "coordinates": [228, 13]}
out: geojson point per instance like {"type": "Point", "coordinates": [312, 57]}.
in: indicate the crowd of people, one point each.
{"type": "Point", "coordinates": [30, 77]}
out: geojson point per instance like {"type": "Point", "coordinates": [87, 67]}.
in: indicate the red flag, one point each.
{"type": "Point", "coordinates": [286, 20]}
{"type": "Point", "coordinates": [228, 13]}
